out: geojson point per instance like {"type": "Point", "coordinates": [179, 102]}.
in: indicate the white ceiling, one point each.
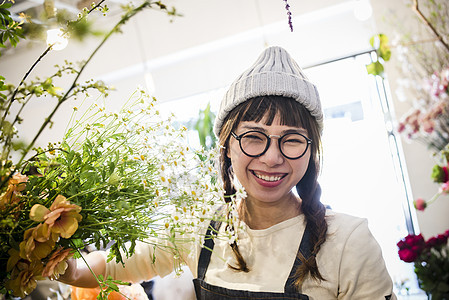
{"type": "Point", "coordinates": [203, 50]}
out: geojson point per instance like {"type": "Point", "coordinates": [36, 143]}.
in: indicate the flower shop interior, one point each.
{"type": "Point", "coordinates": [381, 68]}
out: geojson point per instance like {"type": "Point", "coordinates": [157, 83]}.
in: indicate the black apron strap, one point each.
{"type": "Point", "coordinates": [208, 246]}
{"type": "Point", "coordinates": [306, 251]}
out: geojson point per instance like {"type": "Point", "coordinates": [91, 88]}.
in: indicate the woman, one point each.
{"type": "Point", "coordinates": [269, 126]}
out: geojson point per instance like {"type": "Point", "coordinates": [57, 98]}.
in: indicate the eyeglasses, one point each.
{"type": "Point", "coordinates": [255, 143]}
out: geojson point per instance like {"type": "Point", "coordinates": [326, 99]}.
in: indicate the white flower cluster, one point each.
{"type": "Point", "coordinates": [182, 186]}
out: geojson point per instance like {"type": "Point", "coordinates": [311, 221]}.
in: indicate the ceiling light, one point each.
{"type": "Point", "coordinates": [57, 39]}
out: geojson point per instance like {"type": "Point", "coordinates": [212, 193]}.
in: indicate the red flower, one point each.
{"type": "Point", "coordinates": [411, 247]}
{"type": "Point", "coordinates": [407, 255]}
{"type": "Point", "coordinates": [432, 242]}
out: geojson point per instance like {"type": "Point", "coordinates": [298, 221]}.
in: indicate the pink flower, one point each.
{"type": "Point", "coordinates": [16, 184]}
{"type": "Point", "coordinates": [61, 218]}
{"type": "Point", "coordinates": [420, 204]}
{"type": "Point", "coordinates": [444, 188]}
{"type": "Point", "coordinates": [437, 110]}
{"type": "Point", "coordinates": [57, 264]}
{"type": "Point", "coordinates": [428, 125]}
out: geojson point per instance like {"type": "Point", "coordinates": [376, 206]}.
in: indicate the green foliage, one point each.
{"type": "Point", "coordinates": [107, 286]}
{"type": "Point", "coordinates": [10, 30]}
{"type": "Point", "coordinates": [432, 272]}
{"type": "Point", "coordinates": [205, 127]}
{"type": "Point", "coordinates": [380, 43]}
{"type": "Point", "coordinates": [98, 172]}
{"type": "Point", "coordinates": [2, 89]}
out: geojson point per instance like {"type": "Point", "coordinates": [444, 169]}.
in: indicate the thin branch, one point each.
{"type": "Point", "coordinates": [123, 20]}
{"type": "Point", "coordinates": [431, 40]}
{"type": "Point", "coordinates": [24, 78]}
{"type": "Point", "coordinates": [428, 24]}
{"type": "Point", "coordinates": [36, 62]}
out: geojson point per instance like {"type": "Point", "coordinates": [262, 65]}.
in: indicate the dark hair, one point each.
{"type": "Point", "coordinates": [291, 113]}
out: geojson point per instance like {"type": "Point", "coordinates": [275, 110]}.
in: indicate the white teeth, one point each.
{"type": "Point", "coordinates": [268, 178]}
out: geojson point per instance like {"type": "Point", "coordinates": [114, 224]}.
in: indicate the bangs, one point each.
{"type": "Point", "coordinates": [266, 108]}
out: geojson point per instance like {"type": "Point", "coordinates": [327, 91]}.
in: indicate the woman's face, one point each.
{"type": "Point", "coordinates": [269, 178]}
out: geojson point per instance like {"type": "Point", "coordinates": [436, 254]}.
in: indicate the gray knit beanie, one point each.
{"type": "Point", "coordinates": [275, 73]}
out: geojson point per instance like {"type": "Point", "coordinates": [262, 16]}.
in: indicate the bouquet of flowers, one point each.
{"type": "Point", "coordinates": [116, 177]}
{"type": "Point", "coordinates": [431, 260]}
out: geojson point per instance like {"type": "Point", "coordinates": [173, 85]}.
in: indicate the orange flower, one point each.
{"type": "Point", "coordinates": [132, 292]}
{"type": "Point", "coordinates": [34, 246]}
{"type": "Point", "coordinates": [61, 218]}
{"type": "Point", "coordinates": [92, 294]}
{"type": "Point", "coordinates": [24, 277]}
{"type": "Point", "coordinates": [57, 264]}
{"type": "Point", "coordinates": [16, 185]}
{"type": "Point", "coordinates": [84, 293]}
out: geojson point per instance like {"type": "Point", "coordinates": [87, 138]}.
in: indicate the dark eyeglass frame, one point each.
{"type": "Point", "coordinates": [239, 138]}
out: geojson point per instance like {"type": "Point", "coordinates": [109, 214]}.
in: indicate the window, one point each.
{"type": "Point", "coordinates": [360, 174]}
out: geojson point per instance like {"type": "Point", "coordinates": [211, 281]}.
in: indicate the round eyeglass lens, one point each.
{"type": "Point", "coordinates": [253, 143]}
{"type": "Point", "coordinates": [293, 145]}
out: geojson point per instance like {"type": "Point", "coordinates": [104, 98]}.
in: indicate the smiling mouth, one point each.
{"type": "Point", "coordinates": [270, 178]}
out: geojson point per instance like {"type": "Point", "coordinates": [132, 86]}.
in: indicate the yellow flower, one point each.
{"type": "Point", "coordinates": [61, 218]}
{"type": "Point", "coordinates": [36, 244]}
{"type": "Point", "coordinates": [57, 264]}
{"type": "Point", "coordinates": [16, 184]}
{"type": "Point", "coordinates": [24, 277]}
{"type": "Point", "coordinates": [13, 259]}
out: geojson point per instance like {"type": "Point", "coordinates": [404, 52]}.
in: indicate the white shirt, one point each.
{"type": "Point", "coordinates": [350, 261]}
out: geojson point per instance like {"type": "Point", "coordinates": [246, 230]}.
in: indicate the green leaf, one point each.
{"type": "Point", "coordinates": [375, 68]}
{"type": "Point", "coordinates": [380, 43]}
{"type": "Point", "coordinates": [4, 6]}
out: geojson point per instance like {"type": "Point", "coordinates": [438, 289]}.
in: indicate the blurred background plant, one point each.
{"type": "Point", "coordinates": [379, 42]}
{"type": "Point", "coordinates": [424, 61]}
{"type": "Point", "coordinates": [204, 125]}
{"type": "Point", "coordinates": [431, 262]}
{"type": "Point", "coordinates": [423, 54]}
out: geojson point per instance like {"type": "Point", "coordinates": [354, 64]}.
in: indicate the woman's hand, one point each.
{"type": "Point", "coordinates": [79, 273]}
{"type": "Point", "coordinates": [69, 273]}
